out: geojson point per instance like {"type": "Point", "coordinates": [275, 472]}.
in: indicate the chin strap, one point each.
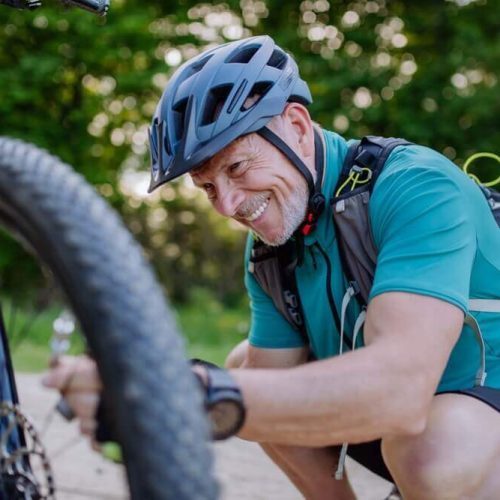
{"type": "Point", "coordinates": [316, 203]}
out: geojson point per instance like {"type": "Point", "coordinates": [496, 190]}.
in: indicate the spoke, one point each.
{"type": "Point", "coordinates": [24, 452]}
{"type": "Point", "coordinates": [16, 455]}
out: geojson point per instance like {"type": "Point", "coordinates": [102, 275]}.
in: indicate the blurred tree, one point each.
{"type": "Point", "coordinates": [86, 88]}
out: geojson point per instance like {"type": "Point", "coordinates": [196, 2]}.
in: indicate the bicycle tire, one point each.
{"type": "Point", "coordinates": [124, 317]}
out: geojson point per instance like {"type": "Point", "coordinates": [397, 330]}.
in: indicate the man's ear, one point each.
{"type": "Point", "coordinates": [299, 126]}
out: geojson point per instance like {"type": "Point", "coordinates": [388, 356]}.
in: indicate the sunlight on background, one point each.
{"type": "Point", "coordinates": [86, 89]}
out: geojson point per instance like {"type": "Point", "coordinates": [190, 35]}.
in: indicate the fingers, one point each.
{"type": "Point", "coordinates": [88, 426]}
{"type": "Point", "coordinates": [83, 403]}
{"type": "Point", "coordinates": [73, 374]}
{"type": "Point", "coordinates": [78, 381]}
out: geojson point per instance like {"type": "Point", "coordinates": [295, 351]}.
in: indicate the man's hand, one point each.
{"type": "Point", "coordinates": [78, 381]}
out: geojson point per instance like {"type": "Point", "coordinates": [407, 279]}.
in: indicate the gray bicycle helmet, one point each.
{"type": "Point", "coordinates": [202, 109]}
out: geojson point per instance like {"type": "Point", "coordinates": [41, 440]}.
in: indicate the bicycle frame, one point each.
{"type": "Point", "coordinates": [99, 7]}
{"type": "Point", "coordinates": [8, 392]}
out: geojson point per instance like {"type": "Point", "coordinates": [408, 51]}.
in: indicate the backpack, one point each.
{"type": "Point", "coordinates": [274, 267]}
{"type": "Point", "coordinates": [350, 209]}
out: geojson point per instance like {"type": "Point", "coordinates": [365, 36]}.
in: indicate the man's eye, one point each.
{"type": "Point", "coordinates": [209, 189]}
{"type": "Point", "coordinates": [236, 168]}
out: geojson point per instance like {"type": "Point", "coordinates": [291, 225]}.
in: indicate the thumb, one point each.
{"type": "Point", "coordinates": [57, 377]}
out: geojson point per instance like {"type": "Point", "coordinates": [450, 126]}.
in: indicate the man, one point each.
{"type": "Point", "coordinates": [235, 119]}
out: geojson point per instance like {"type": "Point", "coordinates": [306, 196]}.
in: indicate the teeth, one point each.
{"type": "Point", "coordinates": [258, 212]}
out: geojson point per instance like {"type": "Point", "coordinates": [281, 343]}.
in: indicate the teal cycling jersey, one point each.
{"type": "Point", "coordinates": [435, 236]}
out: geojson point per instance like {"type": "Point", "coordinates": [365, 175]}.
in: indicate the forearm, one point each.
{"type": "Point", "coordinates": [357, 397]}
{"type": "Point", "coordinates": [310, 469]}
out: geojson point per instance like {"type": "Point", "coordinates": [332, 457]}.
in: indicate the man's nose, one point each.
{"type": "Point", "coordinates": [228, 200]}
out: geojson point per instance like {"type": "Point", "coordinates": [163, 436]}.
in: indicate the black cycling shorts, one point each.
{"type": "Point", "coordinates": [370, 455]}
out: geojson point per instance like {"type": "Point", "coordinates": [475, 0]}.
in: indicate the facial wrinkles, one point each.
{"type": "Point", "coordinates": [289, 192]}
{"type": "Point", "coordinates": [293, 213]}
{"type": "Point", "coordinates": [254, 156]}
{"type": "Point", "coordinates": [242, 149]}
{"type": "Point", "coordinates": [250, 205]}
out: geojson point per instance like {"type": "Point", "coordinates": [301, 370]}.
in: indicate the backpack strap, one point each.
{"type": "Point", "coordinates": [493, 198]}
{"type": "Point", "coordinates": [363, 164]}
{"type": "Point", "coordinates": [274, 270]}
{"type": "Point", "coordinates": [472, 323]}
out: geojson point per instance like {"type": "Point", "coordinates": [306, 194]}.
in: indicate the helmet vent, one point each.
{"type": "Point", "coordinates": [242, 56]}
{"type": "Point", "coordinates": [259, 90]}
{"type": "Point", "coordinates": [180, 113]}
{"type": "Point", "coordinates": [198, 65]}
{"type": "Point", "coordinates": [180, 106]}
{"type": "Point", "coordinates": [214, 102]}
{"type": "Point", "coordinates": [277, 60]}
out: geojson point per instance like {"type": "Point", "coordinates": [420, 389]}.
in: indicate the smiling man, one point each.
{"type": "Point", "coordinates": [255, 190]}
{"type": "Point", "coordinates": [405, 389]}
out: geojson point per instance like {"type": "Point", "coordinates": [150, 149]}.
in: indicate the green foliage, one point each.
{"type": "Point", "coordinates": [28, 321]}
{"type": "Point", "coordinates": [211, 330]}
{"type": "Point", "coordinates": [427, 71]}
{"type": "Point", "coordinates": [85, 88]}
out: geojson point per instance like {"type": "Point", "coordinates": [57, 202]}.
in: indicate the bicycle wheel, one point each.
{"type": "Point", "coordinates": [123, 315]}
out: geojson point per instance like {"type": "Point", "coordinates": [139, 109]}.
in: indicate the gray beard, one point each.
{"type": "Point", "coordinates": [294, 212]}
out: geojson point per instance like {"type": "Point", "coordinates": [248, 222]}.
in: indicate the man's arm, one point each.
{"type": "Point", "coordinates": [382, 389]}
{"type": "Point", "coordinates": [310, 469]}
{"type": "Point", "coordinates": [274, 358]}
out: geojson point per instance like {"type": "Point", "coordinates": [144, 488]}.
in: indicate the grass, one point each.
{"type": "Point", "coordinates": [30, 357]}
{"type": "Point", "coordinates": [210, 332]}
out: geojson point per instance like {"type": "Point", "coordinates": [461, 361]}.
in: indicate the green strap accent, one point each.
{"type": "Point", "coordinates": [476, 156]}
{"type": "Point", "coordinates": [355, 180]}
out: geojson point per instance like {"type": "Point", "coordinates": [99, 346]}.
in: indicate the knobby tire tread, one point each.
{"type": "Point", "coordinates": [123, 314]}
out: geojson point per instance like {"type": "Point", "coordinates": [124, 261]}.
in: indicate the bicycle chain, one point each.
{"type": "Point", "coordinates": [15, 464]}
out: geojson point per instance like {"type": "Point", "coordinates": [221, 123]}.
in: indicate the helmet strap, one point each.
{"type": "Point", "coordinates": [316, 202]}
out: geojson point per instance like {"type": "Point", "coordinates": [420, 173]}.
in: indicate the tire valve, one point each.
{"type": "Point", "coordinates": [63, 327]}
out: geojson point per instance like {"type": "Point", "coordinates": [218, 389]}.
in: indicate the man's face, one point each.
{"type": "Point", "coordinates": [254, 183]}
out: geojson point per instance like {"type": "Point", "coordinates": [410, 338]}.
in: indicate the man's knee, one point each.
{"type": "Point", "coordinates": [452, 458]}
{"type": "Point", "coordinates": [237, 356]}
{"type": "Point", "coordinates": [422, 470]}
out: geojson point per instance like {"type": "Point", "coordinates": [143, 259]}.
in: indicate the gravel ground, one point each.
{"type": "Point", "coordinates": [244, 471]}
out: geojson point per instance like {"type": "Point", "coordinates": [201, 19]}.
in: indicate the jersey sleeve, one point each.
{"type": "Point", "coordinates": [268, 328]}
{"type": "Point", "coordinates": [424, 234]}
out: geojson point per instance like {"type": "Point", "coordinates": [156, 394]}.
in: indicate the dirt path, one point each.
{"type": "Point", "coordinates": [244, 471]}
